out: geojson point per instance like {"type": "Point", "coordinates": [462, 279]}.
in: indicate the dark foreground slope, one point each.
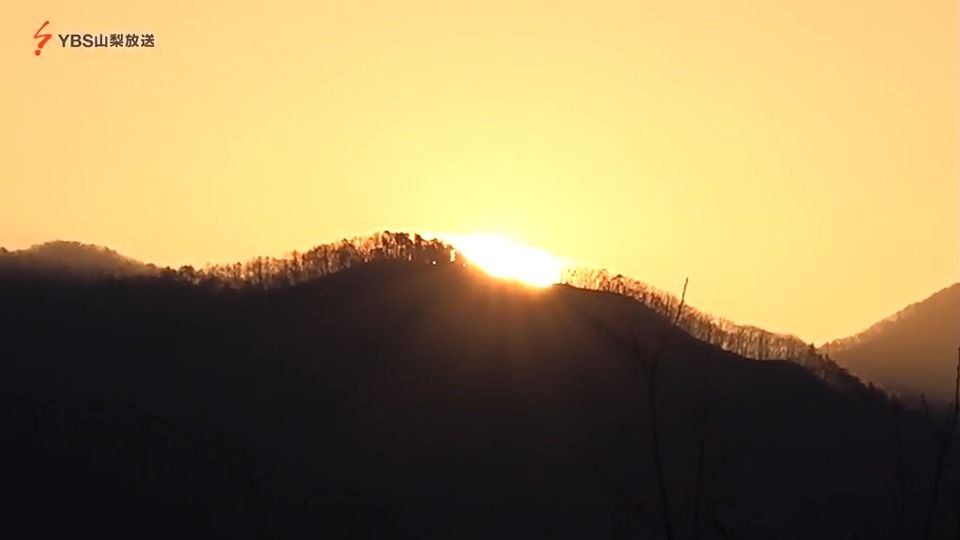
{"type": "Point", "coordinates": [912, 352]}
{"type": "Point", "coordinates": [397, 401]}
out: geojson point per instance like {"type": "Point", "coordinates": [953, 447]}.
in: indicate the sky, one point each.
{"type": "Point", "coordinates": [798, 161]}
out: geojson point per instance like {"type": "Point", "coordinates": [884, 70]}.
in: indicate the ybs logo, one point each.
{"type": "Point", "coordinates": [44, 38]}
{"type": "Point", "coordinates": [99, 40]}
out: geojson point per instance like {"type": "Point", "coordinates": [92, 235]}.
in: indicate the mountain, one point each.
{"type": "Point", "coordinates": [911, 353]}
{"type": "Point", "coordinates": [71, 260]}
{"type": "Point", "coordinates": [409, 399]}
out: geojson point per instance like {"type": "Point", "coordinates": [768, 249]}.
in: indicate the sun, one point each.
{"type": "Point", "coordinates": [503, 258]}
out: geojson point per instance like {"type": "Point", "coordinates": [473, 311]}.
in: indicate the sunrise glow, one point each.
{"type": "Point", "coordinates": [504, 258]}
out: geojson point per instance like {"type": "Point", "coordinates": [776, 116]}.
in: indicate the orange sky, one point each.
{"type": "Point", "coordinates": [798, 160]}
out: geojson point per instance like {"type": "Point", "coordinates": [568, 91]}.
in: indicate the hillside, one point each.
{"type": "Point", "coordinates": [70, 260]}
{"type": "Point", "coordinates": [405, 400]}
{"type": "Point", "coordinates": [911, 353]}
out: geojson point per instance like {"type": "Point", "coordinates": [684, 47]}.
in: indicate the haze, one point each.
{"type": "Point", "coordinates": [798, 162]}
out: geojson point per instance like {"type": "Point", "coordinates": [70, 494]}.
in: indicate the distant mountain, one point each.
{"type": "Point", "coordinates": [71, 260]}
{"type": "Point", "coordinates": [411, 399]}
{"type": "Point", "coordinates": [910, 353]}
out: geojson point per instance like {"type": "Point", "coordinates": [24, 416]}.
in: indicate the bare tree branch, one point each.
{"type": "Point", "coordinates": [654, 423]}
{"type": "Point", "coordinates": [897, 437]}
{"type": "Point", "coordinates": [943, 437]}
{"type": "Point", "coordinates": [701, 447]}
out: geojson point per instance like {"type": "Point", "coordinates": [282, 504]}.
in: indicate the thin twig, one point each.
{"type": "Point", "coordinates": [701, 447]}
{"type": "Point", "coordinates": [655, 431]}
{"type": "Point", "coordinates": [944, 437]}
{"type": "Point", "coordinates": [901, 470]}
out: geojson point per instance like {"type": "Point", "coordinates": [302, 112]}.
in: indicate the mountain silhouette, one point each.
{"type": "Point", "coordinates": [71, 260]}
{"type": "Point", "coordinates": [913, 352]}
{"type": "Point", "coordinates": [410, 399]}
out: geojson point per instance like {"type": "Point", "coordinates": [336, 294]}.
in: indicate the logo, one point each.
{"type": "Point", "coordinates": [44, 38]}
{"type": "Point", "coordinates": [88, 40]}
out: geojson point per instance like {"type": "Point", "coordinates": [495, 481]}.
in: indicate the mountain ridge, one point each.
{"type": "Point", "coordinates": [266, 272]}
{"type": "Point", "coordinates": [910, 353]}
{"type": "Point", "coordinates": [64, 259]}
{"type": "Point", "coordinates": [408, 399]}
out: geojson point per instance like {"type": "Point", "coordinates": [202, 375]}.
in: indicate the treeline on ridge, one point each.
{"type": "Point", "coordinates": [745, 340]}
{"type": "Point", "coordinates": [298, 267]}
